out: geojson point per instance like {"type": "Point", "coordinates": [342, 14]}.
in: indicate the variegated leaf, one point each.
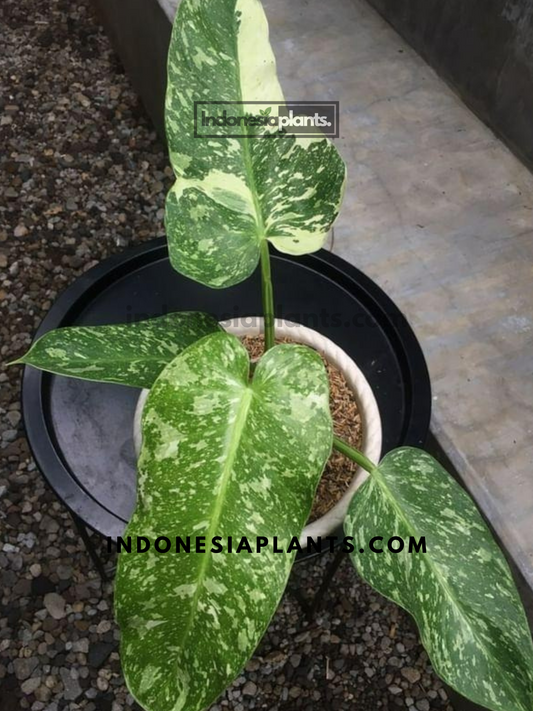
{"type": "Point", "coordinates": [224, 456]}
{"type": "Point", "coordinates": [130, 354]}
{"type": "Point", "coordinates": [231, 194]}
{"type": "Point", "coordinates": [460, 591]}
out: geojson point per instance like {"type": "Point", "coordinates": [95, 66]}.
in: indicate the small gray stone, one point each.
{"type": "Point", "coordinates": [295, 660]}
{"type": "Point", "coordinates": [55, 605]}
{"type": "Point", "coordinates": [49, 525]}
{"type": "Point", "coordinates": [64, 572]}
{"type": "Point", "coordinates": [103, 626]}
{"type": "Point", "coordinates": [249, 689]}
{"type": "Point", "coordinates": [26, 636]}
{"type": "Point", "coordinates": [411, 674]}
{"type": "Point", "coordinates": [35, 570]}
{"type": "Point", "coordinates": [10, 548]}
{"type": "Point", "coordinates": [17, 562]}
{"type": "Point", "coordinates": [72, 686]}
{"type": "Point", "coordinates": [13, 417]}
{"type": "Point", "coordinates": [30, 685]}
{"type": "Point", "coordinates": [24, 666]}
{"type": "Point", "coordinates": [81, 645]}
{"type": "Point", "coordinates": [20, 231]}
{"type": "Point", "coordinates": [423, 705]}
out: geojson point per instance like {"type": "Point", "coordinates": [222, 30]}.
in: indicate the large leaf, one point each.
{"type": "Point", "coordinates": [460, 591]}
{"type": "Point", "coordinates": [130, 354]}
{"type": "Point", "coordinates": [221, 456]}
{"type": "Point", "coordinates": [231, 194]}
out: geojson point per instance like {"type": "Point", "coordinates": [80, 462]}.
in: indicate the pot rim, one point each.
{"type": "Point", "coordinates": [356, 381]}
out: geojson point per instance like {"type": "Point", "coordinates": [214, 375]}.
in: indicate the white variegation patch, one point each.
{"type": "Point", "coordinates": [460, 592]}
{"type": "Point", "coordinates": [246, 466]}
{"type": "Point", "coordinates": [130, 354]}
{"type": "Point", "coordinates": [231, 194]}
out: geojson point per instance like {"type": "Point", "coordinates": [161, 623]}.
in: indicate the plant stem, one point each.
{"type": "Point", "coordinates": [354, 454]}
{"type": "Point", "coordinates": [268, 296]}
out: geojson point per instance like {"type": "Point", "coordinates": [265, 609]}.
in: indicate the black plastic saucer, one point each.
{"type": "Point", "coordinates": [80, 432]}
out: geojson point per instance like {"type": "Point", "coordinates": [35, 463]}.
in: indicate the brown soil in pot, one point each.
{"type": "Point", "coordinates": [339, 470]}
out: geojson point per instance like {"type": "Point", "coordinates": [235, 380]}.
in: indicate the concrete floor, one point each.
{"type": "Point", "coordinates": [440, 213]}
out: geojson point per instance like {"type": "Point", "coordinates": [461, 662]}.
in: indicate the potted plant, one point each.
{"type": "Point", "coordinates": [234, 450]}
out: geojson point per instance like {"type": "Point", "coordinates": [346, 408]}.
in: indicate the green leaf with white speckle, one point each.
{"type": "Point", "coordinates": [224, 456]}
{"type": "Point", "coordinates": [130, 354]}
{"type": "Point", "coordinates": [232, 193]}
{"type": "Point", "coordinates": [460, 592]}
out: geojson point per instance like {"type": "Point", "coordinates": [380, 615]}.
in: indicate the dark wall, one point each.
{"type": "Point", "coordinates": [140, 32]}
{"type": "Point", "coordinates": [484, 48]}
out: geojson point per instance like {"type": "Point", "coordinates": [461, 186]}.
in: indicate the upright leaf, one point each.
{"type": "Point", "coordinates": [129, 354]}
{"type": "Point", "coordinates": [460, 591]}
{"type": "Point", "coordinates": [231, 194]}
{"type": "Point", "coordinates": [221, 456]}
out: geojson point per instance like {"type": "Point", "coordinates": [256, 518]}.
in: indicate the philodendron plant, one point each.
{"type": "Point", "coordinates": [234, 450]}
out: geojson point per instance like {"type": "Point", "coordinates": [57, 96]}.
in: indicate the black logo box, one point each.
{"type": "Point", "coordinates": [329, 109]}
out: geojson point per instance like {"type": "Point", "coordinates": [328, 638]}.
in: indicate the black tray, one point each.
{"type": "Point", "coordinates": [80, 432]}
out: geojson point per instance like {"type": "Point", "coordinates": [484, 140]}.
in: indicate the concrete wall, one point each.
{"type": "Point", "coordinates": [484, 48]}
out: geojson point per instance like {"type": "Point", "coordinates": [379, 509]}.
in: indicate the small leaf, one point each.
{"type": "Point", "coordinates": [129, 354]}
{"type": "Point", "coordinates": [460, 592]}
{"type": "Point", "coordinates": [232, 193]}
{"type": "Point", "coordinates": [221, 456]}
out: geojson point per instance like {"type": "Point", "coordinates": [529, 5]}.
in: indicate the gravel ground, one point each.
{"type": "Point", "coordinates": [82, 175]}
